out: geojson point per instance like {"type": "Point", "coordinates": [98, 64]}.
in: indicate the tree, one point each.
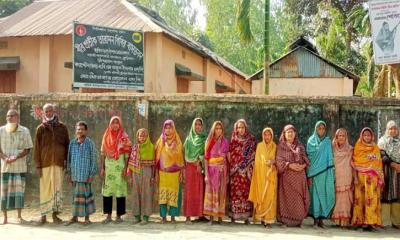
{"type": "Point", "coordinates": [8, 7]}
{"type": "Point", "coordinates": [246, 35]}
{"type": "Point", "coordinates": [179, 14]}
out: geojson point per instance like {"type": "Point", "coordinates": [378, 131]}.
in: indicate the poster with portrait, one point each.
{"type": "Point", "coordinates": [385, 22]}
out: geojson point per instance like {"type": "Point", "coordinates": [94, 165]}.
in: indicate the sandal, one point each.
{"type": "Point", "coordinates": [86, 223]}
{"type": "Point", "coordinates": [40, 222]}
{"type": "Point", "coordinates": [106, 221]}
{"type": "Point", "coordinates": [57, 220]}
{"type": "Point", "coordinates": [70, 222]}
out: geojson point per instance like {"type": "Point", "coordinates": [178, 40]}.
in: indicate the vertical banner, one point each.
{"type": "Point", "coordinates": [107, 58]}
{"type": "Point", "coordinates": [385, 20]}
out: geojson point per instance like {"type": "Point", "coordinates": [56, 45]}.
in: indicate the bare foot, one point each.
{"type": "Point", "coordinates": [173, 220]}
{"type": "Point", "coordinates": [5, 221]}
{"type": "Point", "coordinates": [188, 222]}
{"type": "Point", "coordinates": [164, 220]}
{"type": "Point", "coordinates": [247, 222]}
{"type": "Point", "coordinates": [220, 220]}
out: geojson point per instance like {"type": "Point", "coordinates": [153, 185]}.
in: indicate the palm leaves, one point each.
{"type": "Point", "coordinates": [246, 35]}
{"type": "Point", "coordinates": [243, 21]}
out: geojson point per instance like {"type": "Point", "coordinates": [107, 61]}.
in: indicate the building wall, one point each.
{"type": "Point", "coordinates": [306, 86]}
{"type": "Point", "coordinates": [27, 49]}
{"type": "Point", "coordinates": [175, 53]}
{"type": "Point", "coordinates": [42, 65]}
{"type": "Point", "coordinates": [61, 77]}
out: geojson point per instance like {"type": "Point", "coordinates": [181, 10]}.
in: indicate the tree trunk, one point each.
{"type": "Point", "coordinates": [349, 39]}
{"type": "Point", "coordinates": [266, 47]}
{"type": "Point", "coordinates": [381, 83]}
{"type": "Point", "coordinates": [371, 67]}
{"type": "Point", "coordinates": [396, 78]}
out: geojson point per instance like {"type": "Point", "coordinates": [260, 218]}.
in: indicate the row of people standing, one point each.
{"type": "Point", "coordinates": [266, 181]}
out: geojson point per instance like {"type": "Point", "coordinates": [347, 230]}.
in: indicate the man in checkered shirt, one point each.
{"type": "Point", "coordinates": [15, 144]}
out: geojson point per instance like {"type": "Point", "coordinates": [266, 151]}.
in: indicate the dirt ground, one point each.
{"type": "Point", "coordinates": [155, 230]}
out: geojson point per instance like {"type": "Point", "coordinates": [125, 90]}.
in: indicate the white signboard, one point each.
{"type": "Point", "coordinates": [385, 20]}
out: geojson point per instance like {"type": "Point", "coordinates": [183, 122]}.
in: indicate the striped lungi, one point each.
{"type": "Point", "coordinates": [12, 191]}
{"type": "Point", "coordinates": [82, 200]}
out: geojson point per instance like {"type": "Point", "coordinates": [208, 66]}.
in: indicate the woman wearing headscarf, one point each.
{"type": "Point", "coordinates": [169, 160]}
{"type": "Point", "coordinates": [293, 195]}
{"type": "Point", "coordinates": [369, 181]}
{"type": "Point", "coordinates": [320, 174]}
{"type": "Point", "coordinates": [194, 178]}
{"type": "Point", "coordinates": [264, 183]}
{"type": "Point", "coordinates": [390, 150]}
{"type": "Point", "coordinates": [242, 152]}
{"type": "Point", "coordinates": [115, 149]}
{"type": "Point", "coordinates": [142, 172]}
{"type": "Point", "coordinates": [216, 172]}
{"type": "Point", "coordinates": [342, 157]}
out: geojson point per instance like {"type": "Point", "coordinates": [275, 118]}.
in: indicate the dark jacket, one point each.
{"type": "Point", "coordinates": [51, 145]}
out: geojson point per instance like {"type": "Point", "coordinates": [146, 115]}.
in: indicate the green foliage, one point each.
{"type": "Point", "coordinates": [179, 14]}
{"type": "Point", "coordinates": [243, 21]}
{"type": "Point", "coordinates": [8, 7]}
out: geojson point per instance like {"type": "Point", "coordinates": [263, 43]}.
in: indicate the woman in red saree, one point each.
{"type": "Point", "coordinates": [293, 196]}
{"type": "Point", "coordinates": [242, 153]}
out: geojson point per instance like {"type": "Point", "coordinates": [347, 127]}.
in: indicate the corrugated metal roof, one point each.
{"type": "Point", "coordinates": [302, 62]}
{"type": "Point", "coordinates": [55, 17]}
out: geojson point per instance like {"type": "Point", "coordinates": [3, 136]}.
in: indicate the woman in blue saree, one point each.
{"type": "Point", "coordinates": [320, 175]}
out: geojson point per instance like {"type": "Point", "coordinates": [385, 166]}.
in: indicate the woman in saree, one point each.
{"type": "Point", "coordinates": [293, 195]}
{"type": "Point", "coordinates": [216, 172]}
{"type": "Point", "coordinates": [369, 181]}
{"type": "Point", "coordinates": [169, 160]}
{"type": "Point", "coordinates": [242, 152]}
{"type": "Point", "coordinates": [142, 172]}
{"type": "Point", "coordinates": [342, 157]}
{"type": "Point", "coordinates": [194, 165]}
{"type": "Point", "coordinates": [390, 150]}
{"type": "Point", "coordinates": [264, 183]}
{"type": "Point", "coordinates": [115, 149]}
{"type": "Point", "coordinates": [320, 175]}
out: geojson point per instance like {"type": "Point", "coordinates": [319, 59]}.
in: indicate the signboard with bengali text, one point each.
{"type": "Point", "coordinates": [107, 58]}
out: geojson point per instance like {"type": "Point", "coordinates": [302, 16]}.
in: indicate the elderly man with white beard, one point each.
{"type": "Point", "coordinates": [15, 144]}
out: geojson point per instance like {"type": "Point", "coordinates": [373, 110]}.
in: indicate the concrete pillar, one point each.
{"type": "Point", "coordinates": [331, 115]}
{"type": "Point", "coordinates": [44, 65]}
{"type": "Point", "coordinates": [153, 61]}
{"type": "Point", "coordinates": [347, 87]}
{"type": "Point", "coordinates": [209, 83]}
